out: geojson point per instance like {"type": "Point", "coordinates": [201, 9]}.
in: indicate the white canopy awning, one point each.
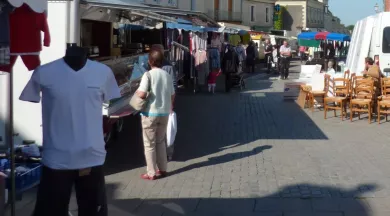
{"type": "Point", "coordinates": [133, 6]}
{"type": "Point", "coordinates": [238, 27]}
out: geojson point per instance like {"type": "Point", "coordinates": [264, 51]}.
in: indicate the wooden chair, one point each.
{"type": "Point", "coordinates": [346, 76]}
{"type": "Point", "coordinates": [338, 101]}
{"type": "Point", "coordinates": [384, 99]}
{"type": "Point", "coordinates": [322, 94]}
{"type": "Point", "coordinates": [363, 98]}
{"type": "Point", "coordinates": [303, 97]}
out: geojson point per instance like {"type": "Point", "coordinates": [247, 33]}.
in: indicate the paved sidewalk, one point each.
{"type": "Point", "coordinates": [251, 153]}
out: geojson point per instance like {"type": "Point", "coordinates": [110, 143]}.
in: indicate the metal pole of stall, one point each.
{"type": "Point", "coordinates": [73, 23]}
{"type": "Point", "coordinates": [9, 125]}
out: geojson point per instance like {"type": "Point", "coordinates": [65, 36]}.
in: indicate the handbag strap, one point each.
{"type": "Point", "coordinates": [149, 80]}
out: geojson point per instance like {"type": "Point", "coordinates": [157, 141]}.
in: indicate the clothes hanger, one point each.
{"type": "Point", "coordinates": [75, 57]}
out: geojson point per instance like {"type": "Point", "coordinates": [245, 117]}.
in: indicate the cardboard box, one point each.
{"type": "Point", "coordinates": [291, 89]}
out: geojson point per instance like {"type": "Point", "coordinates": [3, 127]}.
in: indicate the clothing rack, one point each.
{"type": "Point", "coordinates": [180, 46]}
{"type": "Point", "coordinates": [180, 67]}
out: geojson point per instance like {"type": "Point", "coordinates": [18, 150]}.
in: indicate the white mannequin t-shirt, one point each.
{"type": "Point", "coordinates": [72, 118]}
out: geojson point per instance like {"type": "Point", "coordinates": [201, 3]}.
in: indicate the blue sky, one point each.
{"type": "Point", "coordinates": [350, 11]}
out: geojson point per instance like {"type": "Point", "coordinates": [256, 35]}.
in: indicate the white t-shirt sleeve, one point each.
{"type": "Point", "coordinates": [32, 91]}
{"type": "Point", "coordinates": [144, 85]}
{"type": "Point", "coordinates": [111, 89]}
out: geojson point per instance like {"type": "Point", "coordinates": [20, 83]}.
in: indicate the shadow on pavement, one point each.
{"type": "Point", "coordinates": [297, 200]}
{"type": "Point", "coordinates": [208, 124]}
{"type": "Point", "coordinates": [221, 159]}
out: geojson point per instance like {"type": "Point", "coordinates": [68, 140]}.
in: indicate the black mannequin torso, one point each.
{"type": "Point", "coordinates": [75, 57]}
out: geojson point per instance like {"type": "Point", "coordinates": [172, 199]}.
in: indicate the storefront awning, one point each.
{"type": "Point", "coordinates": [234, 28]}
{"type": "Point", "coordinates": [197, 18]}
{"type": "Point", "coordinates": [133, 6]}
{"type": "Point", "coordinates": [185, 25]}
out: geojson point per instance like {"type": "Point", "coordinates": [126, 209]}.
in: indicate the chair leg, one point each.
{"type": "Point", "coordinates": [325, 110]}
{"type": "Point", "coordinates": [342, 110]}
{"type": "Point", "coordinates": [369, 114]}
{"type": "Point", "coordinates": [379, 114]}
{"type": "Point", "coordinates": [334, 113]}
{"type": "Point", "coordinates": [312, 103]}
{"type": "Point", "coordinates": [350, 112]}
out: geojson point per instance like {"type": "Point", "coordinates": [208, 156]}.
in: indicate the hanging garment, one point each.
{"type": "Point", "coordinates": [241, 52]}
{"type": "Point", "coordinates": [230, 62]}
{"type": "Point", "coordinates": [169, 69]}
{"type": "Point", "coordinates": [25, 30]}
{"type": "Point", "coordinates": [216, 43]}
{"type": "Point", "coordinates": [4, 55]}
{"type": "Point", "coordinates": [5, 10]}
{"type": "Point", "coordinates": [234, 40]}
{"type": "Point", "coordinates": [202, 66]}
{"type": "Point", "coordinates": [246, 38]}
{"type": "Point", "coordinates": [215, 59]}
{"type": "Point", "coordinates": [30, 61]}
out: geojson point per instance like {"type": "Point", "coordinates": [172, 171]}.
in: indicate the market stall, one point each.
{"type": "Point", "coordinates": [325, 46]}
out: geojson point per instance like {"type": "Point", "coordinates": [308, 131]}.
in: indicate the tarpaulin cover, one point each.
{"type": "Point", "coordinates": [309, 43]}
{"type": "Point", "coordinates": [307, 35]}
{"type": "Point", "coordinates": [321, 35]}
{"type": "Point", "coordinates": [324, 36]}
{"type": "Point", "coordinates": [338, 37]}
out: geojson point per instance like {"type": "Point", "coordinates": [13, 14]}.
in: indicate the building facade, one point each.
{"type": "Point", "coordinates": [303, 15]}
{"type": "Point", "coordinates": [258, 14]}
{"type": "Point", "coordinates": [333, 24]}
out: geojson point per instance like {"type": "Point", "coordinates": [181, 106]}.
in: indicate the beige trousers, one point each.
{"type": "Point", "coordinates": [154, 131]}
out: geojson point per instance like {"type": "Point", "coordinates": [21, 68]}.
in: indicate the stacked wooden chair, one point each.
{"type": "Point", "coordinates": [384, 99]}
{"type": "Point", "coordinates": [363, 96]}
{"type": "Point", "coordinates": [340, 98]}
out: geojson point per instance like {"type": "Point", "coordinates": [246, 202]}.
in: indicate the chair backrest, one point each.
{"type": "Point", "coordinates": [364, 89]}
{"type": "Point", "coordinates": [359, 77]}
{"type": "Point", "coordinates": [326, 83]}
{"type": "Point", "coordinates": [365, 81]}
{"type": "Point", "coordinates": [341, 91]}
{"type": "Point", "coordinates": [346, 74]}
{"type": "Point", "coordinates": [385, 86]}
{"type": "Point", "coordinates": [352, 83]}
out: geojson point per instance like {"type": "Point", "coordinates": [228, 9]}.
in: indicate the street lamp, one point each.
{"type": "Point", "coordinates": [376, 7]}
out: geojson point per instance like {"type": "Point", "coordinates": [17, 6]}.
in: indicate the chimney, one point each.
{"type": "Point", "coordinates": [387, 5]}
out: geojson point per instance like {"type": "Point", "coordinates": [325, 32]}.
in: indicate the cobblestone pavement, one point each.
{"type": "Point", "coordinates": [251, 153]}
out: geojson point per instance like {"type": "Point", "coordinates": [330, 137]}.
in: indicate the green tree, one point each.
{"type": "Point", "coordinates": [350, 27]}
{"type": "Point", "coordinates": [278, 18]}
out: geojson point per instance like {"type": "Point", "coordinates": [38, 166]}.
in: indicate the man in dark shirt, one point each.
{"type": "Point", "coordinates": [268, 54]}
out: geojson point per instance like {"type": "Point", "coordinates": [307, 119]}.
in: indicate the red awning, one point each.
{"type": "Point", "coordinates": [321, 35]}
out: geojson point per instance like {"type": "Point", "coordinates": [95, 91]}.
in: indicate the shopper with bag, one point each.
{"type": "Point", "coordinates": [154, 98]}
